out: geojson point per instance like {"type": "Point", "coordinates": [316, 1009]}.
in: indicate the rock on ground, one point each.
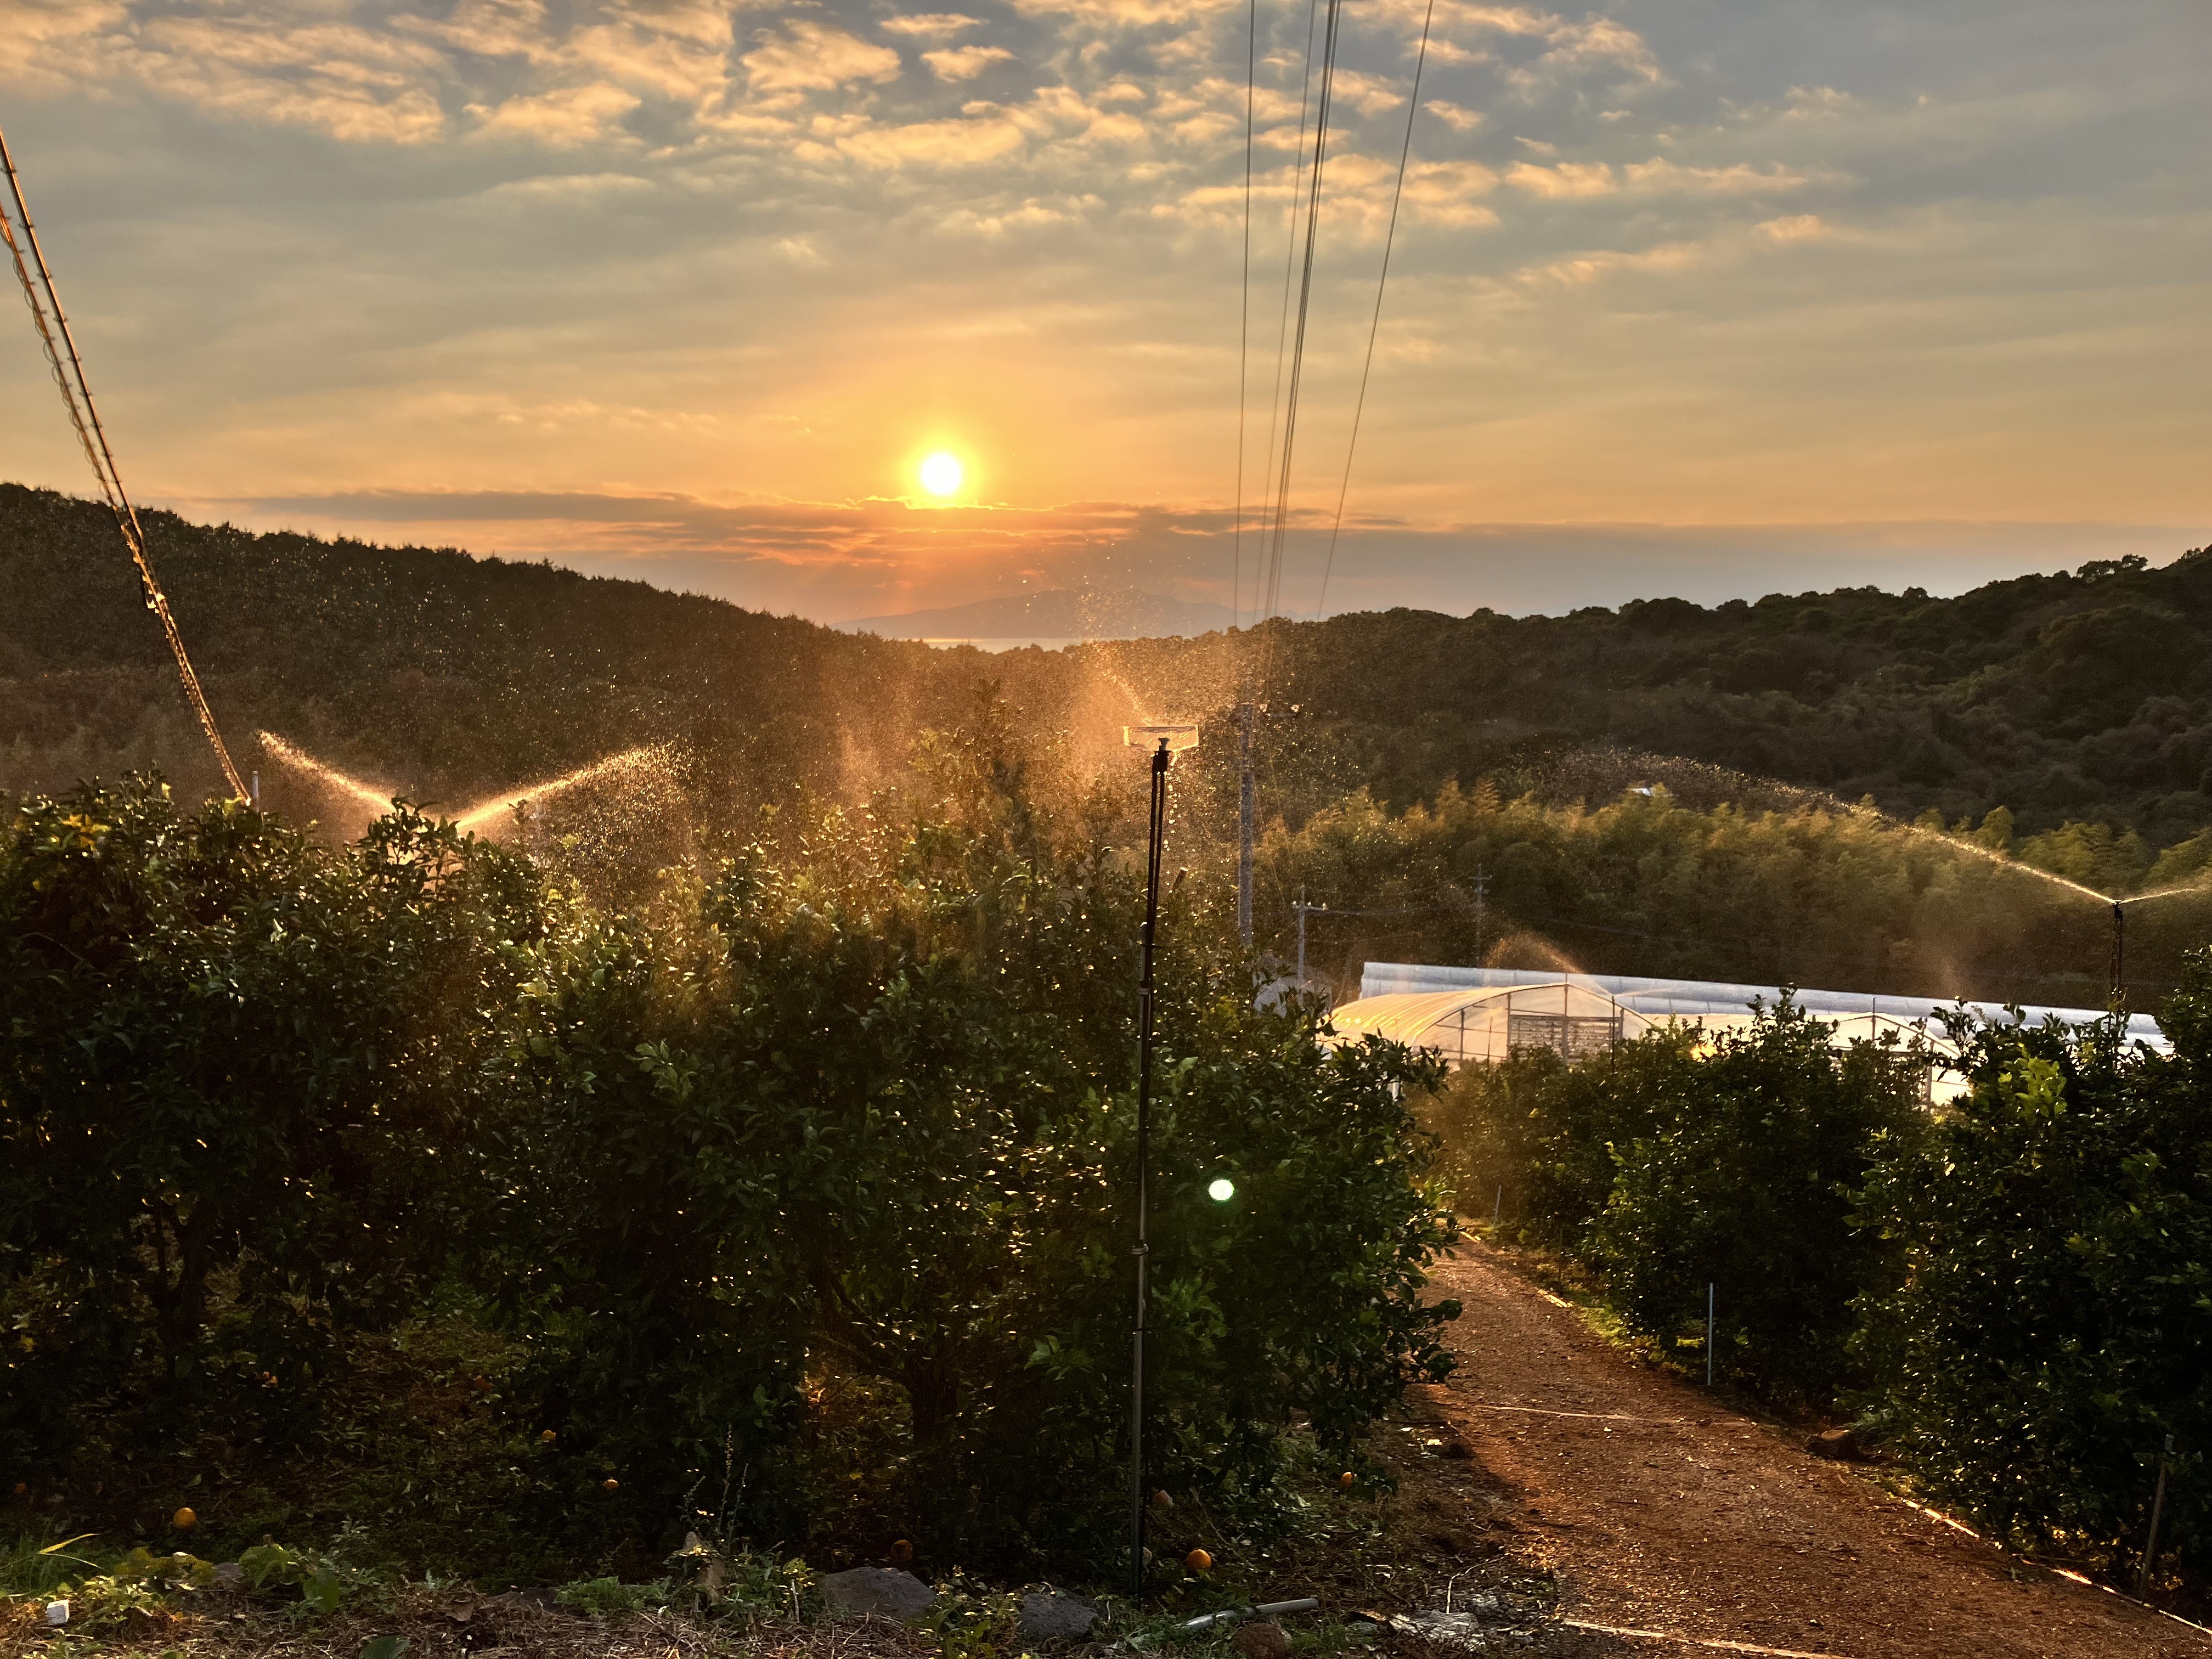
{"type": "Point", "coordinates": [876, 1590]}
{"type": "Point", "coordinates": [1261, 1639]}
{"type": "Point", "coordinates": [1048, 1616]}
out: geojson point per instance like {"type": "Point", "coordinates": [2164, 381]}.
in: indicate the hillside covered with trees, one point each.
{"type": "Point", "coordinates": [1666, 788]}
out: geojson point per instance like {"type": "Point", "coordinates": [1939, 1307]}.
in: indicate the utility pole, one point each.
{"type": "Point", "coordinates": [1246, 805]}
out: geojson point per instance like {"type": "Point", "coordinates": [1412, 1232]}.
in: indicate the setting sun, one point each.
{"type": "Point", "coordinates": [941, 473]}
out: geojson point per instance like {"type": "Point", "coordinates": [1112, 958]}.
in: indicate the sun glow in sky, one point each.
{"type": "Point", "coordinates": [941, 473]}
{"type": "Point", "coordinates": [1698, 300]}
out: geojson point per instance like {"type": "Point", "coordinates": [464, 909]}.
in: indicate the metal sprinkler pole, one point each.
{"type": "Point", "coordinates": [1709, 1291]}
{"type": "Point", "coordinates": [2157, 1514]}
{"type": "Point", "coordinates": [2119, 956]}
{"type": "Point", "coordinates": [1247, 808]}
{"type": "Point", "coordinates": [1153, 853]}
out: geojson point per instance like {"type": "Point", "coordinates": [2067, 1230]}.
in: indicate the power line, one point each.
{"type": "Point", "coordinates": [1289, 264]}
{"type": "Point", "coordinates": [1245, 314]}
{"type": "Point", "coordinates": [1389, 238]}
{"type": "Point", "coordinates": [52, 325]}
{"type": "Point", "coordinates": [1305, 299]}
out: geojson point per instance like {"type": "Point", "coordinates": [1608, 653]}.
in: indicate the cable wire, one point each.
{"type": "Point", "coordinates": [1305, 298]}
{"type": "Point", "coordinates": [1244, 316]}
{"type": "Point", "coordinates": [1389, 238]}
{"type": "Point", "coordinates": [52, 325]}
{"type": "Point", "coordinates": [1289, 266]}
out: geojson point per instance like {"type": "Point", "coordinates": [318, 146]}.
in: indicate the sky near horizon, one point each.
{"type": "Point", "coordinates": [1685, 297]}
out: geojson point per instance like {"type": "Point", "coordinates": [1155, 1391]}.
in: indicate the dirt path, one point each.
{"type": "Point", "coordinates": [1658, 1511]}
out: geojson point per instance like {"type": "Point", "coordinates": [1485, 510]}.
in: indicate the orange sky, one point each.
{"type": "Point", "coordinates": [680, 289]}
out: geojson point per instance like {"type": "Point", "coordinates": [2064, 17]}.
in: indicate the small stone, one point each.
{"type": "Point", "coordinates": [1843, 1445]}
{"type": "Point", "coordinates": [229, 1575]}
{"type": "Point", "coordinates": [1261, 1639]}
{"type": "Point", "coordinates": [1455, 1630]}
{"type": "Point", "coordinates": [1048, 1616]}
{"type": "Point", "coordinates": [57, 1614]}
{"type": "Point", "coordinates": [876, 1590]}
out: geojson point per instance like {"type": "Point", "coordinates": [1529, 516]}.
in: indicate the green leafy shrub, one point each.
{"type": "Point", "coordinates": [2053, 1327]}
{"type": "Point", "coordinates": [855, 1109]}
{"type": "Point", "coordinates": [1531, 1138]}
{"type": "Point", "coordinates": [1753, 1183]}
{"type": "Point", "coordinates": [865, 1109]}
{"type": "Point", "coordinates": [238, 1082]}
{"type": "Point", "coordinates": [1680, 1160]}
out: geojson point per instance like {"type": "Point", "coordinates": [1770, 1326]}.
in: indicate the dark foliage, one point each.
{"type": "Point", "coordinates": [239, 1102]}
{"type": "Point", "coordinates": [1681, 1160]}
{"type": "Point", "coordinates": [851, 1118]}
{"type": "Point", "coordinates": [2057, 1315]}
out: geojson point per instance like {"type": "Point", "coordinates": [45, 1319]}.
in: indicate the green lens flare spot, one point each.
{"type": "Point", "coordinates": [1222, 1190]}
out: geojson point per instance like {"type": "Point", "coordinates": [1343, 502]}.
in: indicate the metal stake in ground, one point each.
{"type": "Point", "coordinates": [1709, 1332]}
{"type": "Point", "coordinates": [2157, 1513]}
{"type": "Point", "coordinates": [1169, 738]}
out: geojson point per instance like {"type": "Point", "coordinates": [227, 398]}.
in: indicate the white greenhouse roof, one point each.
{"type": "Point", "coordinates": [1463, 1014]}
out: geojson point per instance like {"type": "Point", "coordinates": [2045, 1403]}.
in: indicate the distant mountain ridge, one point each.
{"type": "Point", "coordinates": [1121, 613]}
{"type": "Point", "coordinates": [2072, 696]}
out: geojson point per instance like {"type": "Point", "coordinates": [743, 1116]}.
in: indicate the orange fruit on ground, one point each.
{"type": "Point", "coordinates": [184, 1520]}
{"type": "Point", "coordinates": [548, 1437]}
{"type": "Point", "coordinates": [1161, 1501]}
{"type": "Point", "coordinates": [610, 1482]}
{"type": "Point", "coordinates": [1198, 1561]}
{"type": "Point", "coordinates": [1348, 1479]}
{"type": "Point", "coordinates": [902, 1550]}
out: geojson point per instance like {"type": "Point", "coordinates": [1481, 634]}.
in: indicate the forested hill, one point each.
{"type": "Point", "coordinates": [2086, 696]}
{"type": "Point", "coordinates": [429, 670]}
{"type": "Point", "coordinates": [2073, 697]}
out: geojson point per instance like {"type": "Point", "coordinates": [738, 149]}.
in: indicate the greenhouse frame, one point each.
{"type": "Point", "coordinates": [1470, 1014]}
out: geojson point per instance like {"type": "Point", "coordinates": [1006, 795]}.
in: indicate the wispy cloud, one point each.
{"type": "Point", "coordinates": [1659, 266]}
{"type": "Point", "coordinates": [965, 63]}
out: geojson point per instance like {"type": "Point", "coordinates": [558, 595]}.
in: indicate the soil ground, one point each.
{"type": "Point", "coordinates": [1653, 1508]}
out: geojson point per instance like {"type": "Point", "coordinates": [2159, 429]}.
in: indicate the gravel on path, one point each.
{"type": "Point", "coordinates": [1658, 1509]}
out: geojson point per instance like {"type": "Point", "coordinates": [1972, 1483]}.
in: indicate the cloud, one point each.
{"type": "Point", "coordinates": [358, 84]}
{"type": "Point", "coordinates": [830, 560]}
{"type": "Point", "coordinates": [1124, 14]}
{"type": "Point", "coordinates": [1658, 175]}
{"type": "Point", "coordinates": [931, 25]}
{"type": "Point", "coordinates": [573, 115]}
{"type": "Point", "coordinates": [1795, 228]}
{"type": "Point", "coordinates": [1568, 179]}
{"type": "Point", "coordinates": [811, 57]}
{"type": "Point", "coordinates": [965, 63]}
{"type": "Point", "coordinates": [598, 208]}
{"type": "Point", "coordinates": [933, 143]}
{"type": "Point", "coordinates": [1371, 94]}
{"type": "Point", "coordinates": [1445, 192]}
